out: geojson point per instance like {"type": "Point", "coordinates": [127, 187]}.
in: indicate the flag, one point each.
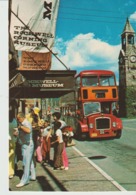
{"type": "Point", "coordinates": [40, 16]}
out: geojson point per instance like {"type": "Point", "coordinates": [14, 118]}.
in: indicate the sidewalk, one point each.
{"type": "Point", "coordinates": [81, 176]}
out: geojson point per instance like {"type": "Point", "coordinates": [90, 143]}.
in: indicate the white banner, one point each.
{"type": "Point", "coordinates": [40, 16]}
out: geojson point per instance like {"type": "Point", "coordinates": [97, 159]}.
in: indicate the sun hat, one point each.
{"type": "Point", "coordinates": [36, 110]}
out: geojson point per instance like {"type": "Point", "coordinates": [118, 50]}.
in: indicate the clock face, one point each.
{"type": "Point", "coordinates": [133, 58]}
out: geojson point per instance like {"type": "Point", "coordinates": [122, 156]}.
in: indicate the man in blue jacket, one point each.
{"type": "Point", "coordinates": [27, 148]}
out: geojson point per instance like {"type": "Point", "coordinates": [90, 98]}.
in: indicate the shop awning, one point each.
{"type": "Point", "coordinates": [42, 84]}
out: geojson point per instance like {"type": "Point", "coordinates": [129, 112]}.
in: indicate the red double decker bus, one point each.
{"type": "Point", "coordinates": [90, 109]}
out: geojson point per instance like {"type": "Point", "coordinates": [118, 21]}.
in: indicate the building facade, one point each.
{"type": "Point", "coordinates": [127, 72]}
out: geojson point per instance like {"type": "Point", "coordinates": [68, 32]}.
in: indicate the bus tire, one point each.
{"type": "Point", "coordinates": [80, 136]}
{"type": "Point", "coordinates": [119, 133]}
{"type": "Point", "coordinates": [78, 132]}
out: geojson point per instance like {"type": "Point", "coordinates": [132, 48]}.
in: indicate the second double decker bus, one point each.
{"type": "Point", "coordinates": [90, 109]}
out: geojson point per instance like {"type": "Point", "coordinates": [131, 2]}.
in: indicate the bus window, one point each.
{"type": "Point", "coordinates": [89, 81]}
{"type": "Point", "coordinates": [105, 107]}
{"type": "Point", "coordinates": [115, 109]}
{"type": "Point", "coordinates": [107, 80]}
{"type": "Point", "coordinates": [91, 108]}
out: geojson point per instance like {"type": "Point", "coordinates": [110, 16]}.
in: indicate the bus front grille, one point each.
{"type": "Point", "coordinates": [102, 123]}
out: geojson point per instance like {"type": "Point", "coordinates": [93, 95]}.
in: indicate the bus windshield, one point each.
{"type": "Point", "coordinates": [107, 80]}
{"type": "Point", "coordinates": [91, 108]}
{"type": "Point", "coordinates": [104, 80]}
{"type": "Point", "coordinates": [89, 80]}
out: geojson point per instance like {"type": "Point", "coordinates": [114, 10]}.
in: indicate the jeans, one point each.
{"type": "Point", "coordinates": [27, 153]}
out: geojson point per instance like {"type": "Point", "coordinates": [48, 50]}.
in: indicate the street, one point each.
{"type": "Point", "coordinates": [116, 157]}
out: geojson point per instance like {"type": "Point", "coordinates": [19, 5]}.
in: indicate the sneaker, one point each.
{"type": "Point", "coordinates": [20, 185]}
{"type": "Point", "coordinates": [66, 168]}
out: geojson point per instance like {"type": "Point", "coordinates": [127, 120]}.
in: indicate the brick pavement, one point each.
{"type": "Point", "coordinates": [81, 176]}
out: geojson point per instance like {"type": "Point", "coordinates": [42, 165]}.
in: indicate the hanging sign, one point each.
{"type": "Point", "coordinates": [40, 16]}
{"type": "Point", "coordinates": [35, 61]}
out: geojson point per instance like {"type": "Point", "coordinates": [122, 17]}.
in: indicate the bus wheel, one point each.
{"type": "Point", "coordinates": [119, 133]}
{"type": "Point", "coordinates": [80, 136]}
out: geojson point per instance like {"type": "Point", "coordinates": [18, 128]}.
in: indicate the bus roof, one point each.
{"type": "Point", "coordinates": [95, 72]}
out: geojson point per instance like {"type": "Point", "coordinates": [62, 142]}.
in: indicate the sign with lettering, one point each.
{"type": "Point", "coordinates": [42, 84]}
{"type": "Point", "coordinates": [40, 16]}
{"type": "Point", "coordinates": [35, 61]}
{"type": "Point", "coordinates": [46, 83]}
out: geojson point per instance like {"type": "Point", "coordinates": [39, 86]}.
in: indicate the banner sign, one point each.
{"type": "Point", "coordinates": [40, 16]}
{"type": "Point", "coordinates": [35, 61]}
{"type": "Point", "coordinates": [35, 80]}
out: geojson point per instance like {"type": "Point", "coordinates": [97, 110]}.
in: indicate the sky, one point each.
{"type": "Point", "coordinates": [88, 33]}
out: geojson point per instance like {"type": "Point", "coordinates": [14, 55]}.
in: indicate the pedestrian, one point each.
{"type": "Point", "coordinates": [39, 141]}
{"type": "Point", "coordinates": [46, 142]}
{"type": "Point", "coordinates": [12, 143]}
{"type": "Point", "coordinates": [58, 146]}
{"type": "Point", "coordinates": [33, 118]}
{"type": "Point", "coordinates": [56, 117]}
{"type": "Point", "coordinates": [49, 114]}
{"type": "Point", "coordinates": [27, 148]}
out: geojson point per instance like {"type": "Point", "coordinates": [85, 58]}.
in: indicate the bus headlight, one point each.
{"type": "Point", "coordinates": [114, 124]}
{"type": "Point", "coordinates": [91, 125]}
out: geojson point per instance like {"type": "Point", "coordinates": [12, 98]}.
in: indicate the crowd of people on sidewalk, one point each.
{"type": "Point", "coordinates": [31, 139]}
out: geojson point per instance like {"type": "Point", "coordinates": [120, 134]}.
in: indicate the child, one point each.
{"type": "Point", "coordinates": [46, 143]}
{"type": "Point", "coordinates": [58, 146]}
{"type": "Point", "coordinates": [56, 117]}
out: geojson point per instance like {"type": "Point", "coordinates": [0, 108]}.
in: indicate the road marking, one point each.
{"type": "Point", "coordinates": [109, 178]}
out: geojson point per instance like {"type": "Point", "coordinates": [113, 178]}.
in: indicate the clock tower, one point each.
{"type": "Point", "coordinates": [127, 72]}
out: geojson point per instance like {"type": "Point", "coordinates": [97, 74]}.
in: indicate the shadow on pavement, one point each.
{"type": "Point", "coordinates": [44, 184]}
{"type": "Point", "coordinates": [57, 182]}
{"type": "Point", "coordinates": [97, 157]}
